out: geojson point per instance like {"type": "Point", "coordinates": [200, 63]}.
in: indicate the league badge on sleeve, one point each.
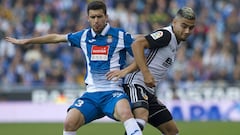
{"type": "Point", "coordinates": [157, 35]}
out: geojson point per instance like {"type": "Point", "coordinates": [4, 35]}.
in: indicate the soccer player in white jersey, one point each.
{"type": "Point", "coordinates": [105, 49]}
{"type": "Point", "coordinates": [153, 55]}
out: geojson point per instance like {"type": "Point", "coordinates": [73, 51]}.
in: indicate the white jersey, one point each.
{"type": "Point", "coordinates": [159, 57]}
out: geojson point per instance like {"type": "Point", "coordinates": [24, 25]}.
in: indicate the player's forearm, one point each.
{"type": "Point", "coordinates": [50, 38]}
{"type": "Point", "coordinates": [143, 68]}
{"type": "Point", "coordinates": [130, 68]}
{"type": "Point", "coordinates": [138, 52]}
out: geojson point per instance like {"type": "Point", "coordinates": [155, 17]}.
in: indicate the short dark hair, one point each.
{"type": "Point", "coordinates": [187, 13]}
{"type": "Point", "coordinates": [95, 5]}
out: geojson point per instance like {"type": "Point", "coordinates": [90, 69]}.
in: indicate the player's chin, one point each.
{"type": "Point", "coordinates": [184, 38]}
{"type": "Point", "coordinates": [98, 28]}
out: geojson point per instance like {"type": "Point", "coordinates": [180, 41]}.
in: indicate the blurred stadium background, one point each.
{"type": "Point", "coordinates": [37, 83]}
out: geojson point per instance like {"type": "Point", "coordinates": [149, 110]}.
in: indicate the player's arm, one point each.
{"type": "Point", "coordinates": [49, 38]}
{"type": "Point", "coordinates": [138, 47]}
{"type": "Point", "coordinates": [130, 68]}
{"type": "Point", "coordinates": [116, 74]}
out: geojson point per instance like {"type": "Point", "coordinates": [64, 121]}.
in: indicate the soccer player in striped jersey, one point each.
{"type": "Point", "coordinates": [153, 55]}
{"type": "Point", "coordinates": [105, 49]}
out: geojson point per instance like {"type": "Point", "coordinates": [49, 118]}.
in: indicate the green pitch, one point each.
{"type": "Point", "coordinates": [186, 128]}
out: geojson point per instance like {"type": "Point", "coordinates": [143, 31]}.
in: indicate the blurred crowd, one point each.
{"type": "Point", "coordinates": [212, 53]}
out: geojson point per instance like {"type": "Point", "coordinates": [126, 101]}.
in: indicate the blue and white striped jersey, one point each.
{"type": "Point", "coordinates": [103, 53]}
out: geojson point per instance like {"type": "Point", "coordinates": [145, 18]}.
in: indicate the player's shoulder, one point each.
{"type": "Point", "coordinates": [161, 34]}
{"type": "Point", "coordinates": [116, 29]}
{"type": "Point", "coordinates": [80, 32]}
{"type": "Point", "coordinates": [120, 32]}
{"type": "Point", "coordinates": [159, 38]}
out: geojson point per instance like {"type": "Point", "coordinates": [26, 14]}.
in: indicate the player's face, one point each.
{"type": "Point", "coordinates": [183, 28]}
{"type": "Point", "coordinates": [97, 20]}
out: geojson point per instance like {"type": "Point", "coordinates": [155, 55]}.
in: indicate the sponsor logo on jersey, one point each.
{"type": "Point", "coordinates": [99, 53]}
{"type": "Point", "coordinates": [167, 63]}
{"type": "Point", "coordinates": [157, 35]}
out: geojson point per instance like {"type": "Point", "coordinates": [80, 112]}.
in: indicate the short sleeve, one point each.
{"type": "Point", "coordinates": [159, 38]}
{"type": "Point", "coordinates": [74, 39]}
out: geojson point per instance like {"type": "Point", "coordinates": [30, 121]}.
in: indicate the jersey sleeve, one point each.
{"type": "Point", "coordinates": [74, 39]}
{"type": "Point", "coordinates": [159, 38]}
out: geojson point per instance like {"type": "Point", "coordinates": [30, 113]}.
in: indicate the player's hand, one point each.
{"type": "Point", "coordinates": [149, 79]}
{"type": "Point", "coordinates": [115, 75]}
{"type": "Point", "coordinates": [16, 41]}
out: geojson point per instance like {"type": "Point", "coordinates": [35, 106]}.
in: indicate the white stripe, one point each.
{"type": "Point", "coordinates": [130, 92]}
{"type": "Point", "coordinates": [133, 95]}
{"type": "Point", "coordinates": [157, 112]}
{"type": "Point", "coordinates": [84, 48]}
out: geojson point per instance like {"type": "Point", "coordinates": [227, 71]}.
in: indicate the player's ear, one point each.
{"type": "Point", "coordinates": [174, 21]}
{"type": "Point", "coordinates": [87, 18]}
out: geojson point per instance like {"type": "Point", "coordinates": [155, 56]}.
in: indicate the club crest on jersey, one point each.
{"type": "Point", "coordinates": [156, 35]}
{"type": "Point", "coordinates": [99, 53]}
{"type": "Point", "coordinates": [109, 39]}
{"type": "Point", "coordinates": [172, 48]}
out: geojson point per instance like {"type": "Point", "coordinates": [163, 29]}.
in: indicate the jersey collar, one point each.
{"type": "Point", "coordinates": [104, 31]}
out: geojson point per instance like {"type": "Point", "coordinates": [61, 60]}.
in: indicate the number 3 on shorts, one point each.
{"type": "Point", "coordinates": [79, 103]}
